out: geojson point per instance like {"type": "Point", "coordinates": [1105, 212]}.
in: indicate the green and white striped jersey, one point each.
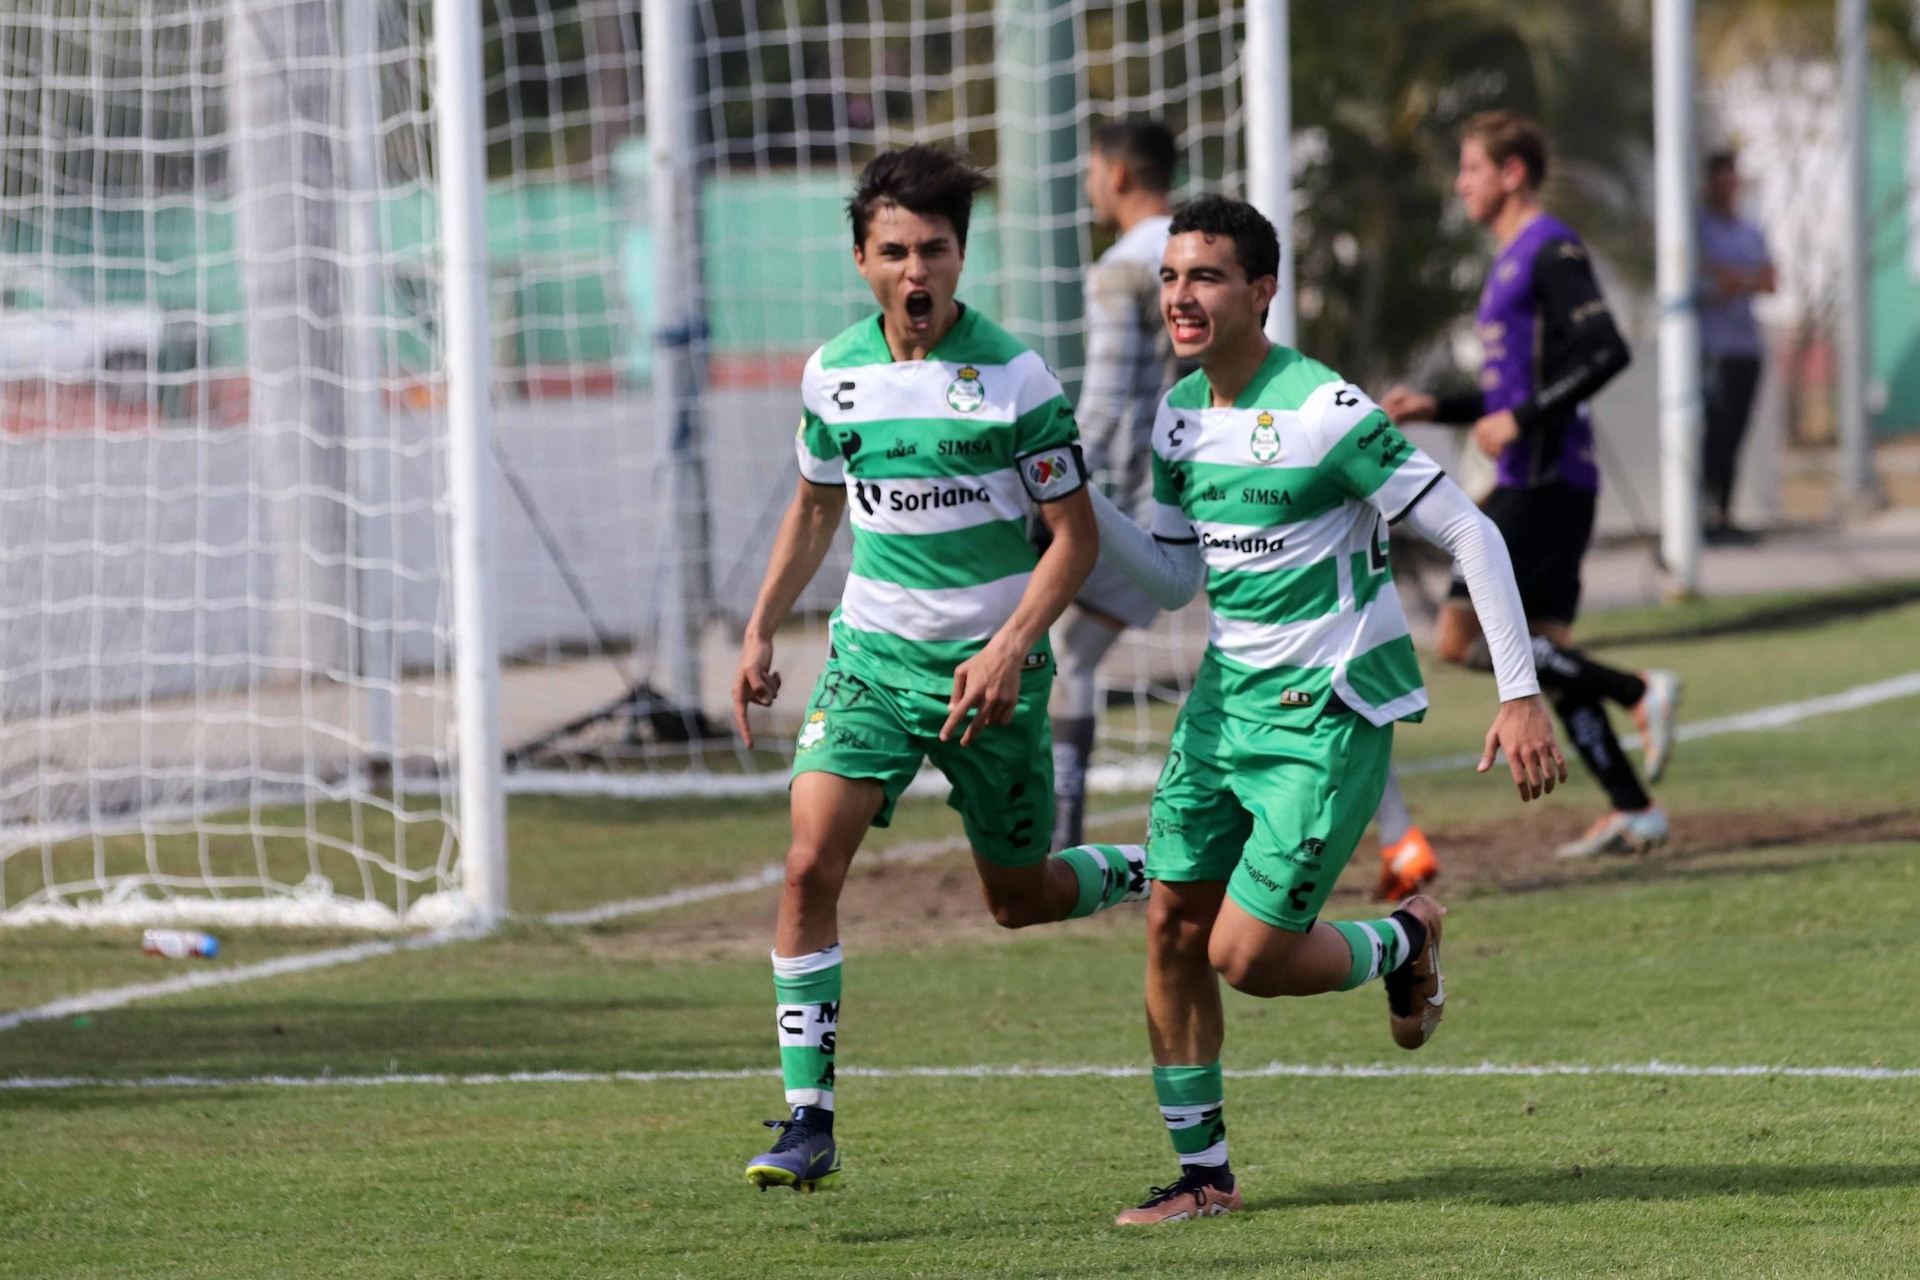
{"type": "Point", "coordinates": [1289, 493]}
{"type": "Point", "coordinates": [947, 457]}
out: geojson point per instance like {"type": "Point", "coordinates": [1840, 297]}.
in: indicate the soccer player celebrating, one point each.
{"type": "Point", "coordinates": [1550, 345]}
{"type": "Point", "coordinates": [950, 434]}
{"type": "Point", "coordinates": [1130, 365]}
{"type": "Point", "coordinates": [1274, 483]}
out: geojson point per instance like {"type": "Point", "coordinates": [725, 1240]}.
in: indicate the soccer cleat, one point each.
{"type": "Point", "coordinates": [1192, 1196]}
{"type": "Point", "coordinates": [1416, 993]}
{"type": "Point", "coordinates": [804, 1158]}
{"type": "Point", "coordinates": [1654, 714]}
{"type": "Point", "coordinates": [1621, 833]}
{"type": "Point", "coordinates": [1406, 867]}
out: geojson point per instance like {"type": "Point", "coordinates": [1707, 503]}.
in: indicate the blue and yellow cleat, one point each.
{"type": "Point", "coordinates": [804, 1158]}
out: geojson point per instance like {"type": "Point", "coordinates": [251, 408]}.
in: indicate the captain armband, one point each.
{"type": "Point", "coordinates": [1052, 473]}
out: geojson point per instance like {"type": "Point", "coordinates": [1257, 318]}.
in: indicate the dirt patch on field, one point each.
{"type": "Point", "coordinates": [935, 900]}
{"type": "Point", "coordinates": [1517, 857]}
{"type": "Point", "coordinates": [886, 905]}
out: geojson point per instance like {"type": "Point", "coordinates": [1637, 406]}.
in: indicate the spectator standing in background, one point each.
{"type": "Point", "coordinates": [1734, 266]}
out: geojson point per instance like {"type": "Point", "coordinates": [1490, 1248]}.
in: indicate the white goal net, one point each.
{"type": "Point", "coordinates": [226, 602]}
{"type": "Point", "coordinates": [223, 611]}
{"type": "Point", "coordinates": [788, 104]}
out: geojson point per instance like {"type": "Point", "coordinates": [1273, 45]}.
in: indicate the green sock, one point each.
{"type": "Point", "coordinates": [1108, 875]}
{"type": "Point", "coordinates": [1193, 1103]}
{"type": "Point", "coordinates": [1377, 947]}
{"type": "Point", "coordinates": [808, 989]}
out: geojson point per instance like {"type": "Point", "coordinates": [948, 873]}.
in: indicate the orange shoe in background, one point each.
{"type": "Point", "coordinates": [1406, 867]}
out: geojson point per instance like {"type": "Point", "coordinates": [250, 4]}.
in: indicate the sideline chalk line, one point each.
{"type": "Point", "coordinates": [1774, 717]}
{"type": "Point", "coordinates": [1273, 1070]}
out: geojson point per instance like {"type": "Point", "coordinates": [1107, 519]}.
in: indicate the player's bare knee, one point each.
{"type": "Point", "coordinates": [812, 873]}
{"type": "Point", "coordinates": [1017, 911]}
{"type": "Point", "coordinates": [1256, 966]}
{"type": "Point", "coordinates": [1174, 930]}
{"type": "Point", "coordinates": [1239, 968]}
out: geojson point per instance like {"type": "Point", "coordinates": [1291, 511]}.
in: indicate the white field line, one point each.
{"type": "Point", "coordinates": [1139, 774]}
{"type": "Point", "coordinates": [1774, 717]}
{"type": "Point", "coordinates": [1271, 1071]}
{"type": "Point", "coordinates": [307, 962]}
{"type": "Point", "coordinates": [774, 872]}
{"type": "Point", "coordinates": [300, 962]}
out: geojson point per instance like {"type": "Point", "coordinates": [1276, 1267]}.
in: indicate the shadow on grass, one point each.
{"type": "Point", "coordinates": [305, 1038]}
{"type": "Point", "coordinates": [1796, 614]}
{"type": "Point", "coordinates": [1575, 1184]}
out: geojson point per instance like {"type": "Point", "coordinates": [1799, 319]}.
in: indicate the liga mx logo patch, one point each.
{"type": "Point", "coordinates": [1266, 439]}
{"type": "Point", "coordinates": [964, 393]}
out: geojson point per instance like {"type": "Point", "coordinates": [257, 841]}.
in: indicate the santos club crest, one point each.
{"type": "Point", "coordinates": [814, 733]}
{"type": "Point", "coordinates": [964, 393]}
{"type": "Point", "coordinates": [1266, 439]}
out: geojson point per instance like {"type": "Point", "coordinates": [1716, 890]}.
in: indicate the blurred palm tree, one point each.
{"type": "Point", "coordinates": [1737, 33]}
{"type": "Point", "coordinates": [1386, 262]}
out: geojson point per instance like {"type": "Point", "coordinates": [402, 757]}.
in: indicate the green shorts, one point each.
{"type": "Point", "coordinates": [1002, 784]}
{"type": "Point", "coordinates": [1273, 811]}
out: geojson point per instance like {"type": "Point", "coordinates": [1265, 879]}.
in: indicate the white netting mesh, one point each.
{"type": "Point", "coordinates": [222, 610]}
{"type": "Point", "coordinates": [792, 101]}
{"type": "Point", "coordinates": [225, 607]}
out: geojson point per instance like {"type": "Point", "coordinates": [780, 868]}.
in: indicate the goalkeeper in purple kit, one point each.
{"type": "Point", "coordinates": [1550, 345]}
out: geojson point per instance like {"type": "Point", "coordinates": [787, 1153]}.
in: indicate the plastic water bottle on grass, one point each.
{"type": "Point", "coordinates": [178, 944]}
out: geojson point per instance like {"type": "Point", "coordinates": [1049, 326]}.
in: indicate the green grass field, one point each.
{"type": "Point", "coordinates": [1777, 930]}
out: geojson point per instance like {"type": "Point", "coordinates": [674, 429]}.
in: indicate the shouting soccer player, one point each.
{"type": "Point", "coordinates": [1550, 344]}
{"type": "Point", "coordinates": [1274, 483]}
{"type": "Point", "coordinates": [950, 434]}
{"type": "Point", "coordinates": [1130, 365]}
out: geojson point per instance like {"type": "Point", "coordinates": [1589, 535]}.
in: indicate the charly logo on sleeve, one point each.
{"type": "Point", "coordinates": [1266, 439]}
{"type": "Point", "coordinates": [964, 393]}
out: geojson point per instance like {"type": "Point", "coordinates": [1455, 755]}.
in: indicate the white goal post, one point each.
{"type": "Point", "coordinates": [396, 400]}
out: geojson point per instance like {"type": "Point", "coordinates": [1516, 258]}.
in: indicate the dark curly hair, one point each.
{"type": "Point", "coordinates": [1255, 243]}
{"type": "Point", "coordinates": [924, 179]}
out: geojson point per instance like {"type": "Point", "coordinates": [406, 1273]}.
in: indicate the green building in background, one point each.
{"type": "Point", "coordinates": [1893, 185]}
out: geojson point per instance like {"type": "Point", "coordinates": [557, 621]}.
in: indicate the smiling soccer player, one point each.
{"type": "Point", "coordinates": [951, 435]}
{"type": "Point", "coordinates": [1274, 482]}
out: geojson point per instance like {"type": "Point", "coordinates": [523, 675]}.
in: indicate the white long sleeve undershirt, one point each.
{"type": "Point", "coordinates": [1172, 573]}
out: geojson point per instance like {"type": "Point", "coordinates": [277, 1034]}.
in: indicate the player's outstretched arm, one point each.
{"type": "Point", "coordinates": [1446, 517]}
{"type": "Point", "coordinates": [988, 683]}
{"type": "Point", "coordinates": [806, 532]}
{"type": "Point", "coordinates": [1171, 573]}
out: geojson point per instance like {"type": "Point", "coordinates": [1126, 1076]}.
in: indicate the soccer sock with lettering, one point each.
{"type": "Point", "coordinates": [1574, 672]}
{"type": "Point", "coordinates": [1108, 875]}
{"type": "Point", "coordinates": [1193, 1103]}
{"type": "Point", "coordinates": [1378, 947]}
{"type": "Point", "coordinates": [1594, 739]}
{"type": "Point", "coordinates": [808, 991]}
